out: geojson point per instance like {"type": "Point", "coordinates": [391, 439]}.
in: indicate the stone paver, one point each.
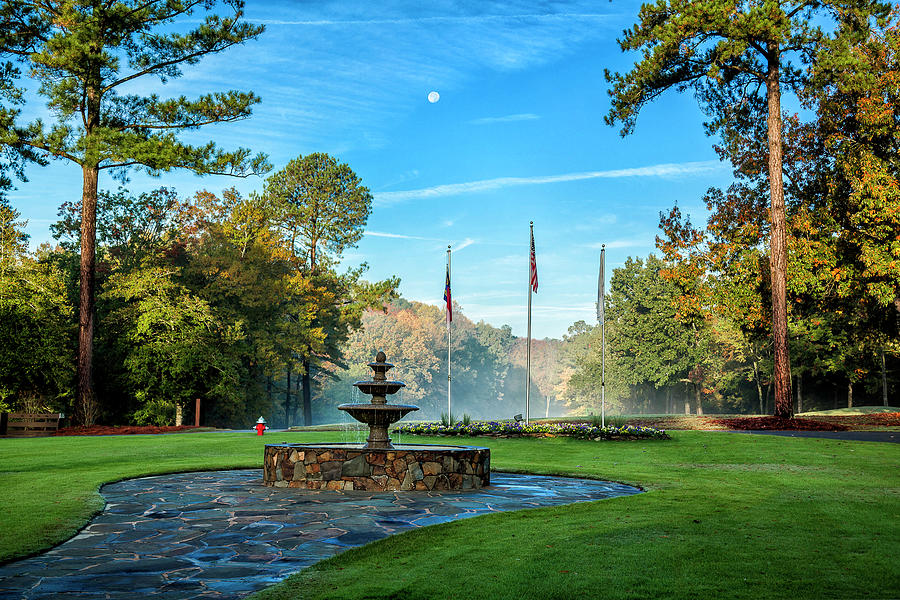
{"type": "Point", "coordinates": [224, 535]}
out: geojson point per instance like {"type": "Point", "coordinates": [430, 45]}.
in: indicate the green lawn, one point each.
{"type": "Point", "coordinates": [856, 410]}
{"type": "Point", "coordinates": [727, 515]}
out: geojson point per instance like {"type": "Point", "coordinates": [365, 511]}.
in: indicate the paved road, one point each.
{"type": "Point", "coordinates": [221, 534]}
{"type": "Point", "coordinates": [854, 436]}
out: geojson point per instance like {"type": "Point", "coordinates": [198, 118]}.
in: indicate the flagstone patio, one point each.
{"type": "Point", "coordinates": [224, 535]}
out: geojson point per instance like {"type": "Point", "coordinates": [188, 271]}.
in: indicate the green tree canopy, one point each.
{"type": "Point", "coordinates": [82, 55]}
{"type": "Point", "coordinates": [35, 323]}
{"type": "Point", "coordinates": [324, 207]}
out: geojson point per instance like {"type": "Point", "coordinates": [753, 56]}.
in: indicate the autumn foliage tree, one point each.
{"type": "Point", "coordinates": [856, 91]}
{"type": "Point", "coordinates": [734, 55]}
{"type": "Point", "coordinates": [322, 209]}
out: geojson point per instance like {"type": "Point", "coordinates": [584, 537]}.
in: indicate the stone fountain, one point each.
{"type": "Point", "coordinates": [378, 414]}
{"type": "Point", "coordinates": [377, 465]}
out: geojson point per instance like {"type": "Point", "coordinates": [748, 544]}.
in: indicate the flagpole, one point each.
{"type": "Point", "coordinates": [449, 379]}
{"type": "Point", "coordinates": [601, 312]}
{"type": "Point", "coordinates": [528, 345]}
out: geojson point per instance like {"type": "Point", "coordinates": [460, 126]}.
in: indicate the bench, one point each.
{"type": "Point", "coordinates": [29, 424]}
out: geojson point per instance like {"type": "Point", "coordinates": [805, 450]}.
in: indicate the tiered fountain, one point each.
{"type": "Point", "coordinates": [378, 415]}
{"type": "Point", "coordinates": [376, 465]}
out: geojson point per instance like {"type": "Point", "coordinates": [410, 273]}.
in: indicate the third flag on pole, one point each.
{"type": "Point", "coordinates": [447, 297]}
{"type": "Point", "coordinates": [601, 285]}
{"type": "Point", "coordinates": [533, 270]}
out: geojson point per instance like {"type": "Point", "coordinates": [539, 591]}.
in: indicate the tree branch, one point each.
{"type": "Point", "coordinates": [185, 125]}
{"type": "Point", "coordinates": [185, 58]}
{"type": "Point", "coordinates": [56, 153]}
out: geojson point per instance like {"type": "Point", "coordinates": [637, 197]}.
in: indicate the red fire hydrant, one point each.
{"type": "Point", "coordinates": [260, 426]}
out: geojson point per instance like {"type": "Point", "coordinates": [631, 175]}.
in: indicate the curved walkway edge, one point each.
{"type": "Point", "coordinates": [222, 534]}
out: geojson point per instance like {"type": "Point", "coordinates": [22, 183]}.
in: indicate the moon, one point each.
{"type": "Point", "coordinates": [433, 97]}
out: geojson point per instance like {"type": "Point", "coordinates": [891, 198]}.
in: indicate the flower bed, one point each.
{"type": "Point", "coordinates": [513, 428]}
{"type": "Point", "coordinates": [778, 423]}
{"type": "Point", "coordinates": [124, 430]}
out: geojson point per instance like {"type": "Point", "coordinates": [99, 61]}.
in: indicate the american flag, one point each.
{"type": "Point", "coordinates": [533, 270]}
{"type": "Point", "coordinates": [447, 297]}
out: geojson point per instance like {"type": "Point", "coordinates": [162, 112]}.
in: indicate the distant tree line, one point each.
{"type": "Point", "coordinates": [487, 365]}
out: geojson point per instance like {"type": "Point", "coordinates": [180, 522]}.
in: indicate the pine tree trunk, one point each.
{"type": "Point", "coordinates": [850, 393]}
{"type": "Point", "coordinates": [799, 392]}
{"type": "Point", "coordinates": [86, 408]}
{"type": "Point", "coordinates": [179, 415]}
{"type": "Point", "coordinates": [778, 242]}
{"type": "Point", "coordinates": [307, 395]}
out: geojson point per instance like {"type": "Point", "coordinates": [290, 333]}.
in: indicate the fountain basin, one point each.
{"type": "Point", "coordinates": [377, 414]}
{"type": "Point", "coordinates": [352, 467]}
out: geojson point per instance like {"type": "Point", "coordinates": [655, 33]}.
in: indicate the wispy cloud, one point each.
{"type": "Point", "coordinates": [484, 185]}
{"type": "Point", "coordinates": [400, 236]}
{"type": "Point", "coordinates": [404, 177]}
{"type": "Point", "coordinates": [438, 19]}
{"type": "Point", "coordinates": [464, 244]}
{"type": "Point", "coordinates": [505, 119]}
{"type": "Point", "coordinates": [364, 66]}
{"type": "Point", "coordinates": [596, 223]}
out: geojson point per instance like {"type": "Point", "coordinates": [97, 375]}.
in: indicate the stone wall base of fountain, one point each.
{"type": "Point", "coordinates": [349, 467]}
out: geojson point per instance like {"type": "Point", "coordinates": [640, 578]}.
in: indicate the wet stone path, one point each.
{"type": "Point", "coordinates": [224, 535]}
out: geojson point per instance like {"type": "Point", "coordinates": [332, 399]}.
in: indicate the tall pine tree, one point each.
{"type": "Point", "coordinates": [82, 52]}
{"type": "Point", "coordinates": [324, 208]}
{"type": "Point", "coordinates": [733, 55]}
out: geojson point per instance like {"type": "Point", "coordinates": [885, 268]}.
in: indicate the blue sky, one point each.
{"type": "Point", "coordinates": [517, 136]}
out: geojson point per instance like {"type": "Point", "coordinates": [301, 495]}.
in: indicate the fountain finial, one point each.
{"type": "Point", "coordinates": [380, 357]}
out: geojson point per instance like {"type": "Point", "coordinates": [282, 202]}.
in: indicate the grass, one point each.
{"type": "Point", "coordinates": [856, 410]}
{"type": "Point", "coordinates": [725, 516]}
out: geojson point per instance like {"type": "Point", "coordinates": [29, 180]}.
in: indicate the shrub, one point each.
{"type": "Point", "coordinates": [616, 421]}
{"type": "Point", "coordinates": [582, 431]}
{"type": "Point", "coordinates": [155, 412]}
